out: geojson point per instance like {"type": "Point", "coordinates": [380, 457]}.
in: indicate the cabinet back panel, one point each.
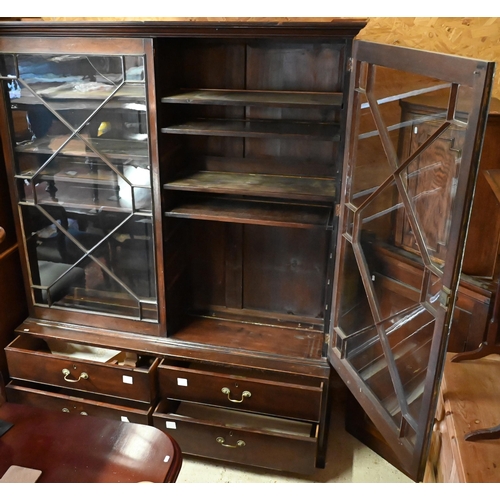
{"type": "Point", "coordinates": [258, 268]}
{"type": "Point", "coordinates": [284, 270]}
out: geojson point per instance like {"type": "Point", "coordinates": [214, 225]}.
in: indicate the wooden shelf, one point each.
{"type": "Point", "coordinates": [264, 129]}
{"type": "Point", "coordinates": [111, 148]}
{"type": "Point", "coordinates": [246, 336]}
{"type": "Point", "coordinates": [67, 96]}
{"type": "Point", "coordinates": [298, 188]}
{"type": "Point", "coordinates": [256, 98]}
{"type": "Point", "coordinates": [80, 173]}
{"type": "Point", "coordinates": [247, 212]}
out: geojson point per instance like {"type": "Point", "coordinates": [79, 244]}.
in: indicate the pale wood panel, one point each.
{"type": "Point", "coordinates": [476, 37]}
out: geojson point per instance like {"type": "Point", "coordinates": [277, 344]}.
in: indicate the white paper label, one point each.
{"type": "Point", "coordinates": [171, 425]}
{"type": "Point", "coordinates": [182, 381]}
{"type": "Point", "coordinates": [167, 458]}
{"type": "Point", "coordinates": [124, 419]}
{"type": "Point", "coordinates": [127, 379]}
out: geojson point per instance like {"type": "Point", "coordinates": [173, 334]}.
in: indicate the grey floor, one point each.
{"type": "Point", "coordinates": [348, 461]}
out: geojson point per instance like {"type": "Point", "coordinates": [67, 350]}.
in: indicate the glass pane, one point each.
{"type": "Point", "coordinates": [56, 76]}
{"type": "Point", "coordinates": [84, 181]}
{"type": "Point", "coordinates": [409, 132]}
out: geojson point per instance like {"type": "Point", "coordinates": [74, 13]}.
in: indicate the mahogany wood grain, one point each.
{"type": "Point", "coordinates": [255, 97]}
{"type": "Point", "coordinates": [292, 343]}
{"type": "Point", "coordinates": [30, 359]}
{"type": "Point", "coordinates": [214, 351]}
{"type": "Point", "coordinates": [290, 187]}
{"type": "Point", "coordinates": [270, 395]}
{"type": "Point", "coordinates": [243, 212]}
{"type": "Point", "coordinates": [12, 295]}
{"type": "Point", "coordinates": [343, 27]}
{"type": "Point", "coordinates": [199, 432]}
{"type": "Point", "coordinates": [481, 254]}
{"type": "Point", "coordinates": [79, 449]}
{"type": "Point", "coordinates": [75, 402]}
{"type": "Point", "coordinates": [264, 129]}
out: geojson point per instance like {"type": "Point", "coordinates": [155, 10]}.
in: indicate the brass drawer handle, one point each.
{"type": "Point", "coordinates": [238, 444]}
{"type": "Point", "coordinates": [245, 394]}
{"type": "Point", "coordinates": [66, 372]}
{"type": "Point", "coordinates": [65, 410]}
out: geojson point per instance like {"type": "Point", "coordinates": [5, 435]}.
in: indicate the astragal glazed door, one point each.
{"type": "Point", "coordinates": [414, 133]}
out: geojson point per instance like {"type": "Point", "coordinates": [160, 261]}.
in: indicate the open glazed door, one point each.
{"type": "Point", "coordinates": [415, 128]}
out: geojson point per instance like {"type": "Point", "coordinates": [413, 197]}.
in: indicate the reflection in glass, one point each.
{"type": "Point", "coordinates": [84, 181]}
{"type": "Point", "coordinates": [408, 132]}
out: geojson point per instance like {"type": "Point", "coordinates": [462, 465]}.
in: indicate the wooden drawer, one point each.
{"type": "Point", "coordinates": [239, 437]}
{"type": "Point", "coordinates": [29, 358]}
{"type": "Point", "coordinates": [69, 402]}
{"type": "Point", "coordinates": [243, 390]}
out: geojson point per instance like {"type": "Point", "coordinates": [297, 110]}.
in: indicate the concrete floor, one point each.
{"type": "Point", "coordinates": [348, 461]}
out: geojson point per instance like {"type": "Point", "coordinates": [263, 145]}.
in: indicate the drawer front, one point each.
{"type": "Point", "coordinates": [27, 360]}
{"type": "Point", "coordinates": [204, 439]}
{"type": "Point", "coordinates": [244, 393]}
{"type": "Point", "coordinates": [69, 404]}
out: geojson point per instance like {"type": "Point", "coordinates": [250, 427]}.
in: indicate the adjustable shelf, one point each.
{"type": "Point", "coordinates": [68, 96]}
{"type": "Point", "coordinates": [256, 98]}
{"type": "Point", "coordinates": [250, 212]}
{"type": "Point", "coordinates": [112, 148]}
{"type": "Point", "coordinates": [265, 129]}
{"type": "Point", "coordinates": [298, 188]}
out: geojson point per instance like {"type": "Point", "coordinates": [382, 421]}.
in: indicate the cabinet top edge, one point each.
{"type": "Point", "coordinates": [337, 27]}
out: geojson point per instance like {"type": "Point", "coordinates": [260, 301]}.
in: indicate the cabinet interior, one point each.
{"type": "Point", "coordinates": [249, 155]}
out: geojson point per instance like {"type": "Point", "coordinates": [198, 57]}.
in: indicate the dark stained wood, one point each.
{"type": "Point", "coordinates": [411, 452]}
{"type": "Point", "coordinates": [342, 27]}
{"type": "Point", "coordinates": [284, 270]}
{"type": "Point", "coordinates": [493, 178]}
{"type": "Point", "coordinates": [31, 359]}
{"type": "Point", "coordinates": [255, 98]}
{"type": "Point", "coordinates": [245, 336]}
{"type": "Point", "coordinates": [233, 269]}
{"type": "Point", "coordinates": [266, 214]}
{"type": "Point", "coordinates": [285, 166]}
{"type": "Point", "coordinates": [86, 449]}
{"type": "Point", "coordinates": [68, 401]}
{"type": "Point", "coordinates": [298, 188]}
{"type": "Point", "coordinates": [275, 396]}
{"type": "Point", "coordinates": [264, 441]}
{"type": "Point", "coordinates": [196, 346]}
{"type": "Point", "coordinates": [12, 295]}
{"type": "Point", "coordinates": [257, 129]}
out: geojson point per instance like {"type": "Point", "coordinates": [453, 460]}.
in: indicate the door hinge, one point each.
{"type": "Point", "coordinates": [337, 210]}
{"type": "Point", "coordinates": [444, 297]}
{"type": "Point", "coordinates": [349, 64]}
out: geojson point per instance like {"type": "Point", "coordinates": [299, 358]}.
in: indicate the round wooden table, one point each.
{"type": "Point", "coordinates": [82, 449]}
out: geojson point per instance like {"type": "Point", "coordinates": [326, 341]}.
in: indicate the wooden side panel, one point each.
{"type": "Point", "coordinates": [13, 308]}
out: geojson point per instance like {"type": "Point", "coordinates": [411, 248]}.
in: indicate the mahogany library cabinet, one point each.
{"type": "Point", "coordinates": [214, 218]}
